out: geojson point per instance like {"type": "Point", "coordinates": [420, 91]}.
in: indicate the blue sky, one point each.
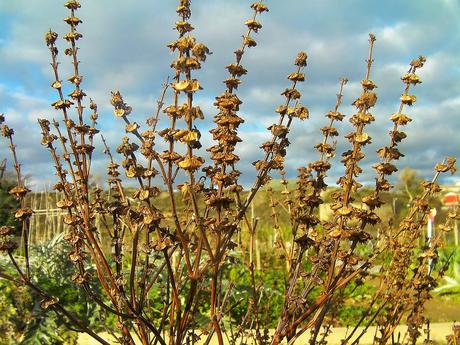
{"type": "Point", "coordinates": [124, 48]}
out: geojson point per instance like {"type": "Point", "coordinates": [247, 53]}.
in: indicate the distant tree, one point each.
{"type": "Point", "coordinates": [409, 183]}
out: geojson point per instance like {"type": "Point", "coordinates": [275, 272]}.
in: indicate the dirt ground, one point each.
{"type": "Point", "coordinates": [439, 331]}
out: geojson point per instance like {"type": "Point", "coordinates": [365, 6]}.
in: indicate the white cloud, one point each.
{"type": "Point", "coordinates": [124, 48]}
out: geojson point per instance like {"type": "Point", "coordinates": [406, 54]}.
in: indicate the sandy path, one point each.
{"type": "Point", "coordinates": [439, 331]}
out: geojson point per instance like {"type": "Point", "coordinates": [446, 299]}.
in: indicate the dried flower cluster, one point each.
{"type": "Point", "coordinates": [454, 338]}
{"type": "Point", "coordinates": [185, 250]}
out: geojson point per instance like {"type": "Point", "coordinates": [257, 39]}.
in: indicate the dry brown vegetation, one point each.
{"type": "Point", "coordinates": [185, 251]}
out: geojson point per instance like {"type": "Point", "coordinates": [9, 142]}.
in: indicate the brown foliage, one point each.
{"type": "Point", "coordinates": [191, 244]}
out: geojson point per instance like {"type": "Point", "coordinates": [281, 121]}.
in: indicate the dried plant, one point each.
{"type": "Point", "coordinates": [184, 251]}
{"type": "Point", "coordinates": [454, 338]}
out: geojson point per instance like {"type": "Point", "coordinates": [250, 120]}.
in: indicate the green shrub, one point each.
{"type": "Point", "coordinates": [23, 321]}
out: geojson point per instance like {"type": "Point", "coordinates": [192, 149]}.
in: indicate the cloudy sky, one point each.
{"type": "Point", "coordinates": [124, 48]}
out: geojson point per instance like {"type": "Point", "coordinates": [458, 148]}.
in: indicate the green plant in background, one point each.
{"type": "Point", "coordinates": [452, 282]}
{"type": "Point", "coordinates": [23, 320]}
{"type": "Point", "coordinates": [7, 202]}
{"type": "Point", "coordinates": [356, 299]}
{"type": "Point", "coordinates": [272, 290]}
{"type": "Point", "coordinates": [14, 311]}
{"type": "Point", "coordinates": [452, 277]}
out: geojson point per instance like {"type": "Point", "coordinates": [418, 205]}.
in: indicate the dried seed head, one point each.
{"type": "Point", "coordinates": [92, 105]}
{"type": "Point", "coordinates": [183, 27]}
{"type": "Point", "coordinates": [73, 5]}
{"type": "Point", "coordinates": [74, 21]}
{"type": "Point", "coordinates": [249, 41]}
{"type": "Point", "coordinates": [77, 94]}
{"type": "Point", "coordinates": [372, 38]}
{"type": "Point", "coordinates": [8, 245]}
{"type": "Point", "coordinates": [418, 63]}
{"type": "Point", "coordinates": [50, 38]}
{"type": "Point", "coordinates": [301, 59]}
{"type": "Point", "coordinates": [366, 100]}
{"type": "Point", "coordinates": [411, 78]}
{"type": "Point", "coordinates": [81, 279]}
{"type": "Point", "coordinates": [47, 303]}
{"type": "Point", "coordinates": [400, 119]}
{"type": "Point", "coordinates": [191, 163]}
{"type": "Point", "coordinates": [132, 127]}
{"type": "Point", "coordinates": [188, 86]}
{"type": "Point", "coordinates": [75, 79]}
{"type": "Point", "coordinates": [253, 25]}
{"type": "Point", "coordinates": [449, 165]}
{"type": "Point", "coordinates": [296, 76]}
{"type": "Point", "coordinates": [236, 70]}
{"type": "Point", "coordinates": [23, 213]}
{"type": "Point", "coordinates": [408, 99]}
{"type": "Point", "coordinates": [368, 84]}
{"type": "Point", "coordinates": [183, 11]}
{"type": "Point", "coordinates": [6, 230]}
{"type": "Point", "coordinates": [19, 191]}
{"type": "Point", "coordinates": [259, 7]}
{"type": "Point", "coordinates": [56, 84]}
{"type": "Point", "coordinates": [72, 36]}
{"type": "Point", "coordinates": [452, 164]}
{"type": "Point", "coordinates": [7, 132]}
{"type": "Point", "coordinates": [335, 115]}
